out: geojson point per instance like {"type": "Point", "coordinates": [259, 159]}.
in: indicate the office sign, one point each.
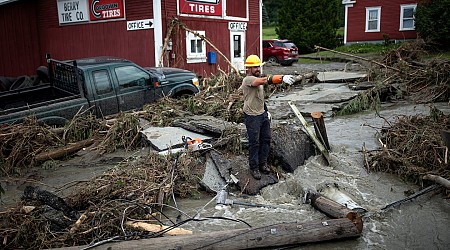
{"type": "Point", "coordinates": [140, 24]}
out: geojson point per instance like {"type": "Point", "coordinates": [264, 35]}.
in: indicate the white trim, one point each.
{"type": "Point", "coordinates": [347, 6]}
{"type": "Point", "coordinates": [260, 32]}
{"type": "Point", "coordinates": [402, 10]}
{"type": "Point", "coordinates": [195, 57]}
{"type": "Point", "coordinates": [157, 31]}
{"type": "Point", "coordinates": [368, 9]}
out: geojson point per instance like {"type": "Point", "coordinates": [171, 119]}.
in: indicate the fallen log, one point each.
{"type": "Point", "coordinates": [283, 234]}
{"type": "Point", "coordinates": [63, 151]}
{"type": "Point", "coordinates": [335, 210]}
{"type": "Point", "coordinates": [438, 179]}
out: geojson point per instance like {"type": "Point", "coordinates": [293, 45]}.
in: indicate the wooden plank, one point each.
{"type": "Point", "coordinates": [283, 234]}
{"type": "Point", "coordinates": [311, 133]}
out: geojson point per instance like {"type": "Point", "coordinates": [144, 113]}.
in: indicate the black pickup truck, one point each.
{"type": "Point", "coordinates": [105, 85]}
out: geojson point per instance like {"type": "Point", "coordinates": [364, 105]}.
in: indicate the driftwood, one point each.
{"type": "Point", "coordinates": [45, 197]}
{"type": "Point", "coordinates": [63, 151]}
{"type": "Point", "coordinates": [320, 129]}
{"type": "Point", "coordinates": [440, 180]}
{"type": "Point", "coordinates": [311, 134]}
{"type": "Point", "coordinates": [143, 226]}
{"type": "Point", "coordinates": [335, 210]}
{"type": "Point", "coordinates": [358, 57]}
{"type": "Point", "coordinates": [283, 234]}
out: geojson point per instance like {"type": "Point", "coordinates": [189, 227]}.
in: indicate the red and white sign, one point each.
{"type": "Point", "coordinates": [106, 9]}
{"type": "Point", "coordinates": [201, 7]}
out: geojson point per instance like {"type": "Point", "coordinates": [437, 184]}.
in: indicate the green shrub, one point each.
{"type": "Point", "coordinates": [432, 22]}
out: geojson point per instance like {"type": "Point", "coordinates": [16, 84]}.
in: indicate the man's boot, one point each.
{"type": "Point", "coordinates": [264, 169]}
{"type": "Point", "coordinates": [255, 173]}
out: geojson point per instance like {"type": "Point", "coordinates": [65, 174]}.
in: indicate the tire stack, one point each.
{"type": "Point", "coordinates": [13, 83]}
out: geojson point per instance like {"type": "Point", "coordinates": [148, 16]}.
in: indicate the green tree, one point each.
{"type": "Point", "coordinates": [432, 21]}
{"type": "Point", "coordinates": [308, 23]}
{"type": "Point", "coordinates": [272, 7]}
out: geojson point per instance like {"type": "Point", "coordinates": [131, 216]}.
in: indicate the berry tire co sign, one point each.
{"type": "Point", "coordinates": [81, 11]}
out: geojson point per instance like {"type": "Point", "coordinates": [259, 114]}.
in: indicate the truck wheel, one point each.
{"type": "Point", "coordinates": [42, 72]}
{"type": "Point", "coordinates": [21, 82]}
{"type": "Point", "coordinates": [272, 60]}
{"type": "Point", "coordinates": [53, 121]}
{"type": "Point", "coordinates": [5, 83]}
{"type": "Point", "coordinates": [36, 81]}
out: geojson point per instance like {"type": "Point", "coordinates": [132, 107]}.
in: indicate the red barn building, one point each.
{"type": "Point", "coordinates": [201, 31]}
{"type": "Point", "coordinates": [377, 21]}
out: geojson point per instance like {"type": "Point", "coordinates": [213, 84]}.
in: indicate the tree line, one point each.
{"type": "Point", "coordinates": [315, 22]}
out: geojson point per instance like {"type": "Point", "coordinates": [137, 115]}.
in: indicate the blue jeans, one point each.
{"type": "Point", "coordinates": [259, 135]}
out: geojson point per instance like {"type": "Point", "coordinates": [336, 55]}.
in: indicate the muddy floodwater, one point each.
{"type": "Point", "coordinates": [422, 223]}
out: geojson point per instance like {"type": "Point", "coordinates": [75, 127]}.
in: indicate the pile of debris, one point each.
{"type": "Point", "coordinates": [412, 148]}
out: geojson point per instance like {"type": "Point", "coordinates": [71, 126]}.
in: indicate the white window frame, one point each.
{"type": "Point", "coordinates": [195, 57]}
{"type": "Point", "coordinates": [402, 19]}
{"type": "Point", "coordinates": [368, 10]}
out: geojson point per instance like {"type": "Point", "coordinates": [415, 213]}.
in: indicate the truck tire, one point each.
{"type": "Point", "coordinates": [53, 121]}
{"type": "Point", "coordinates": [42, 72]}
{"type": "Point", "coordinates": [5, 83]}
{"type": "Point", "coordinates": [36, 81]}
{"type": "Point", "coordinates": [21, 82]}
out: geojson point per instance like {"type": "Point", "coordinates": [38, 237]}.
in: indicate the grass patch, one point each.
{"type": "Point", "coordinates": [268, 32]}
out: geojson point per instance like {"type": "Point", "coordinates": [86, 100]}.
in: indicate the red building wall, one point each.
{"type": "Point", "coordinates": [29, 29]}
{"type": "Point", "coordinates": [389, 23]}
{"type": "Point", "coordinates": [109, 38]}
{"type": "Point", "coordinates": [19, 39]}
{"type": "Point", "coordinates": [216, 30]}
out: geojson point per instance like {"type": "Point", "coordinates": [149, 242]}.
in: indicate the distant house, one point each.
{"type": "Point", "coordinates": [374, 21]}
{"type": "Point", "coordinates": [204, 36]}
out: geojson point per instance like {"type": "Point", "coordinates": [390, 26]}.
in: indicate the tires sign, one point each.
{"type": "Point", "coordinates": [72, 11]}
{"type": "Point", "coordinates": [106, 9]}
{"type": "Point", "coordinates": [200, 7]}
{"type": "Point", "coordinates": [80, 11]}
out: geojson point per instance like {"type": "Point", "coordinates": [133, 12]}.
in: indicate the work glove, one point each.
{"type": "Point", "coordinates": [289, 79]}
{"type": "Point", "coordinates": [269, 115]}
{"type": "Point", "coordinates": [277, 79]}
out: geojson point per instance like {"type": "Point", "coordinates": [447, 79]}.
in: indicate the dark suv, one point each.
{"type": "Point", "coordinates": [283, 52]}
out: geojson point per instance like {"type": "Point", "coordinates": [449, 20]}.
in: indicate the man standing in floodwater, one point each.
{"type": "Point", "coordinates": [256, 115]}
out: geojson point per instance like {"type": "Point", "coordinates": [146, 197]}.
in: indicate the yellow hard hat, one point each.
{"type": "Point", "coordinates": [253, 61]}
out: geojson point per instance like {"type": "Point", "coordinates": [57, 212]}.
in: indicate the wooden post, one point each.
{"type": "Point", "coordinates": [63, 151]}
{"type": "Point", "coordinates": [311, 134]}
{"type": "Point", "coordinates": [335, 210]}
{"type": "Point", "coordinates": [283, 234]}
{"type": "Point", "coordinates": [319, 128]}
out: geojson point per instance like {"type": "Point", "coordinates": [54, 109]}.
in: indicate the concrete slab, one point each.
{"type": "Point", "coordinates": [212, 180]}
{"type": "Point", "coordinates": [311, 93]}
{"type": "Point", "coordinates": [339, 76]}
{"type": "Point", "coordinates": [163, 138]}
